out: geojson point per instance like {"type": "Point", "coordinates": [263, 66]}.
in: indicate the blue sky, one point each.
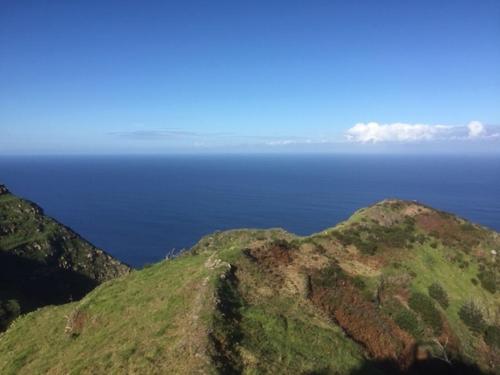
{"type": "Point", "coordinates": [264, 76]}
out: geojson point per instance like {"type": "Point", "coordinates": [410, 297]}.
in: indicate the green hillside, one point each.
{"type": "Point", "coordinates": [399, 287]}
{"type": "Point", "coordinates": [43, 262]}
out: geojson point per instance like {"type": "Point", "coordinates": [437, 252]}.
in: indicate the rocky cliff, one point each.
{"type": "Point", "coordinates": [42, 261]}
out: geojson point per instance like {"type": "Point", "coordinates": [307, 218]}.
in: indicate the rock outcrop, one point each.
{"type": "Point", "coordinates": [44, 262]}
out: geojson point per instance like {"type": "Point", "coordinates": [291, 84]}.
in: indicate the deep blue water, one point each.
{"type": "Point", "coordinates": [138, 208]}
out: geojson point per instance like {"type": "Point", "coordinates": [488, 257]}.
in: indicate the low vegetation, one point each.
{"type": "Point", "coordinates": [408, 320]}
{"type": "Point", "coordinates": [492, 336]}
{"type": "Point", "coordinates": [9, 310]}
{"type": "Point", "coordinates": [375, 237]}
{"type": "Point", "coordinates": [489, 280]}
{"type": "Point", "coordinates": [388, 290]}
{"type": "Point", "coordinates": [427, 311]}
{"type": "Point", "coordinates": [472, 316]}
{"type": "Point", "coordinates": [437, 292]}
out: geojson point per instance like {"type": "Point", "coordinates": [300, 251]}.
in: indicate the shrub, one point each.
{"type": "Point", "coordinates": [13, 307]}
{"type": "Point", "coordinates": [424, 306]}
{"type": "Point", "coordinates": [320, 249]}
{"type": "Point", "coordinates": [472, 316]}
{"type": "Point", "coordinates": [358, 282]}
{"type": "Point", "coordinates": [488, 280]}
{"type": "Point", "coordinates": [435, 233]}
{"type": "Point", "coordinates": [463, 264]}
{"type": "Point", "coordinates": [468, 227]}
{"type": "Point", "coordinates": [284, 244]}
{"type": "Point", "coordinates": [9, 310]}
{"type": "Point", "coordinates": [492, 336]}
{"type": "Point", "coordinates": [371, 239]}
{"type": "Point", "coordinates": [407, 320]}
{"type": "Point", "coordinates": [328, 276]}
{"type": "Point", "coordinates": [353, 237]}
{"type": "Point", "coordinates": [437, 292]}
{"type": "Point", "coordinates": [420, 238]}
{"type": "Point", "coordinates": [260, 236]}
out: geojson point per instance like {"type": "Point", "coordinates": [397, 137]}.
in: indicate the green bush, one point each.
{"type": "Point", "coordinates": [437, 292]}
{"type": "Point", "coordinates": [328, 276]}
{"type": "Point", "coordinates": [407, 320]}
{"type": "Point", "coordinates": [9, 310]}
{"type": "Point", "coordinates": [284, 244]}
{"type": "Point", "coordinates": [472, 316]}
{"type": "Point", "coordinates": [370, 239]}
{"type": "Point", "coordinates": [424, 306]}
{"type": "Point", "coordinates": [420, 238]}
{"type": "Point", "coordinates": [358, 282]}
{"type": "Point", "coordinates": [488, 280]}
{"type": "Point", "coordinates": [353, 237]}
{"type": "Point", "coordinates": [492, 336]}
{"type": "Point", "coordinates": [468, 227]}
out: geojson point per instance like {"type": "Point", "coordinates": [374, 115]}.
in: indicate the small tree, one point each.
{"type": "Point", "coordinates": [488, 280]}
{"type": "Point", "coordinates": [424, 306]}
{"type": "Point", "coordinates": [472, 316]}
{"type": "Point", "coordinates": [437, 292]}
{"type": "Point", "coordinates": [407, 320]}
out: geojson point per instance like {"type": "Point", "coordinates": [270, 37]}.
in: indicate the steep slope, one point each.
{"type": "Point", "coordinates": [43, 262]}
{"type": "Point", "coordinates": [398, 287]}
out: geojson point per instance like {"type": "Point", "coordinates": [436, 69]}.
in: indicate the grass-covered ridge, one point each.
{"type": "Point", "coordinates": [43, 262]}
{"type": "Point", "coordinates": [398, 286]}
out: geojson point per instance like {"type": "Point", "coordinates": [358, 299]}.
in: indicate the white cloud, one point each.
{"type": "Point", "coordinates": [476, 129]}
{"type": "Point", "coordinates": [286, 142]}
{"type": "Point", "coordinates": [282, 142]}
{"type": "Point", "coordinates": [374, 132]}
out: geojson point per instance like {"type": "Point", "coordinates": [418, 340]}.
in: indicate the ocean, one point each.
{"type": "Point", "coordinates": [139, 208]}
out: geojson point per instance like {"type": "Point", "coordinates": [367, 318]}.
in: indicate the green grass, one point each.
{"type": "Point", "coordinates": [234, 299]}
{"type": "Point", "coordinates": [140, 322]}
{"type": "Point", "coordinates": [29, 227]}
{"type": "Point", "coordinates": [281, 333]}
{"type": "Point", "coordinates": [5, 198]}
{"type": "Point", "coordinates": [281, 338]}
{"type": "Point", "coordinates": [132, 324]}
{"type": "Point", "coordinates": [430, 266]}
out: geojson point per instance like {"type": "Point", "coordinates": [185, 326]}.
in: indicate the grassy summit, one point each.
{"type": "Point", "coordinates": [397, 287]}
{"type": "Point", "coordinates": [42, 261]}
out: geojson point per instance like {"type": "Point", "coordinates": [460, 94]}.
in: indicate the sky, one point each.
{"type": "Point", "coordinates": [153, 77]}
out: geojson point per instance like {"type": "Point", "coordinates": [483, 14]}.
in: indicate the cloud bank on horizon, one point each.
{"type": "Point", "coordinates": [361, 134]}
{"type": "Point", "coordinates": [373, 132]}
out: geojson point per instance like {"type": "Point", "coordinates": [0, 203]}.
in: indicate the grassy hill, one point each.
{"type": "Point", "coordinates": [42, 261]}
{"type": "Point", "coordinates": [399, 287]}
